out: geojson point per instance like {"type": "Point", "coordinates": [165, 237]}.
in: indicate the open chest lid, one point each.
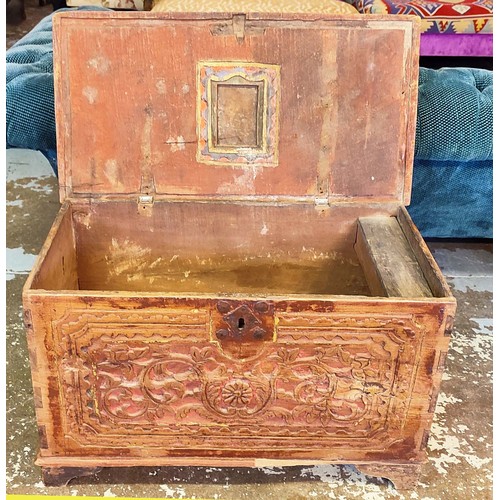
{"type": "Point", "coordinates": [236, 107]}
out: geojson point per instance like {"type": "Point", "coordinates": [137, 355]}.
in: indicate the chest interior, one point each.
{"type": "Point", "coordinates": [243, 249]}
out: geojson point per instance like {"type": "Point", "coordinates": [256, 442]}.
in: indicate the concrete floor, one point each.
{"type": "Point", "coordinates": [34, 14]}
{"type": "Point", "coordinates": [460, 446]}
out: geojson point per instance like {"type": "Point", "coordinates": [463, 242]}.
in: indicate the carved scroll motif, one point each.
{"type": "Point", "coordinates": [125, 374]}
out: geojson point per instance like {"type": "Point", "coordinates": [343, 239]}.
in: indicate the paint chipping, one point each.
{"type": "Point", "coordinates": [100, 64]}
{"type": "Point", "coordinates": [15, 203]}
{"type": "Point", "coordinates": [127, 257]}
{"type": "Point", "coordinates": [272, 471]}
{"type": "Point", "coordinates": [146, 137]}
{"type": "Point", "coordinates": [83, 218]}
{"type": "Point", "coordinates": [39, 185]}
{"type": "Point", "coordinates": [176, 144]}
{"type": "Point", "coordinates": [185, 88]}
{"type": "Point", "coordinates": [485, 325]}
{"type": "Point", "coordinates": [451, 448]}
{"type": "Point", "coordinates": [156, 262]}
{"type": "Point", "coordinates": [176, 492]}
{"type": "Point", "coordinates": [18, 261]}
{"type": "Point", "coordinates": [90, 93]}
{"type": "Point", "coordinates": [161, 86]}
{"type": "Point", "coordinates": [112, 173]}
{"type": "Point", "coordinates": [243, 182]}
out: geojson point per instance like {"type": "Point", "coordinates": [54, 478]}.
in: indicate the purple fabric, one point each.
{"type": "Point", "coordinates": [457, 44]}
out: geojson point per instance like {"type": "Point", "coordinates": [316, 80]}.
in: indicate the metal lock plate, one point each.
{"type": "Point", "coordinates": [243, 322]}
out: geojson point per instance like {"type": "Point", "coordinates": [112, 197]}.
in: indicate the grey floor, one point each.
{"type": "Point", "coordinates": [460, 446]}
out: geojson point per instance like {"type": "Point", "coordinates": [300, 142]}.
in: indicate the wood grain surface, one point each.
{"type": "Point", "coordinates": [384, 249]}
{"type": "Point", "coordinates": [346, 109]}
{"type": "Point", "coordinates": [186, 313]}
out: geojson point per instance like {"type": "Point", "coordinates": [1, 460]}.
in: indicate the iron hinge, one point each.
{"type": "Point", "coordinates": [322, 201]}
{"type": "Point", "coordinates": [146, 197]}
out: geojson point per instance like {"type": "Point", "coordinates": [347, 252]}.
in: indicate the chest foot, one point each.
{"type": "Point", "coordinates": [403, 477]}
{"type": "Point", "coordinates": [61, 476]}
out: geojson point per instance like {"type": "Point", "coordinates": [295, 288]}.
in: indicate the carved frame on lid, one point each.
{"type": "Point", "coordinates": [253, 113]}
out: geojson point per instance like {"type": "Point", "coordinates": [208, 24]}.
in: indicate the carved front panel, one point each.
{"type": "Point", "coordinates": [343, 380]}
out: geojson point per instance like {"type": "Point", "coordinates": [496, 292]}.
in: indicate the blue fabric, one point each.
{"type": "Point", "coordinates": [453, 199]}
{"type": "Point", "coordinates": [455, 115]}
{"type": "Point", "coordinates": [30, 88]}
{"type": "Point", "coordinates": [452, 193]}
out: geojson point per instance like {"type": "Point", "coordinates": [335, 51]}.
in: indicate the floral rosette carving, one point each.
{"type": "Point", "coordinates": [236, 395]}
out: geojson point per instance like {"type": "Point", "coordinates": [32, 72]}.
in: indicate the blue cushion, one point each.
{"type": "Point", "coordinates": [455, 115]}
{"type": "Point", "coordinates": [30, 88]}
{"type": "Point", "coordinates": [453, 199]}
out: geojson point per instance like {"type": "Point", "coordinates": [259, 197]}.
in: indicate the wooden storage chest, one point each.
{"type": "Point", "coordinates": [233, 277]}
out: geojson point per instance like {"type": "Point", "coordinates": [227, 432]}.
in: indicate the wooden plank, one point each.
{"type": "Point", "coordinates": [412, 97]}
{"type": "Point", "coordinates": [428, 265]}
{"type": "Point", "coordinates": [388, 260]}
{"type": "Point", "coordinates": [369, 268]}
{"type": "Point", "coordinates": [56, 267]}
